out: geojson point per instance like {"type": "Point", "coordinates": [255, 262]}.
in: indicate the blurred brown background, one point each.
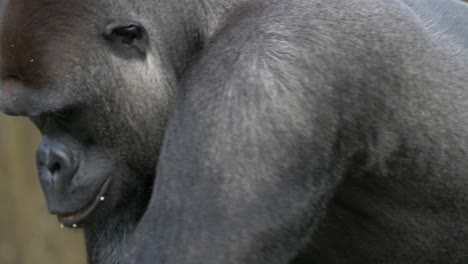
{"type": "Point", "coordinates": [28, 234]}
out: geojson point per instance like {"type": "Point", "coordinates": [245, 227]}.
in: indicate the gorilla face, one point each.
{"type": "Point", "coordinates": [82, 77]}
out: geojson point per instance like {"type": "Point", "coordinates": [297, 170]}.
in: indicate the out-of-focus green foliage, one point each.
{"type": "Point", "coordinates": [28, 234]}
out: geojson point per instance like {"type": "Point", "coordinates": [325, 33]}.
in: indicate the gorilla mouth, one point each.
{"type": "Point", "coordinates": [73, 219]}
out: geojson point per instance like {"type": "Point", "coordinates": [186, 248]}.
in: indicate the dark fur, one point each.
{"type": "Point", "coordinates": [301, 131]}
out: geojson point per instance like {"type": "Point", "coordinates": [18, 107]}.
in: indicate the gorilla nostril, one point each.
{"type": "Point", "coordinates": [55, 168]}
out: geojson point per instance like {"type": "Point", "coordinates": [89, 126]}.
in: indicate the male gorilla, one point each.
{"type": "Point", "coordinates": [284, 131]}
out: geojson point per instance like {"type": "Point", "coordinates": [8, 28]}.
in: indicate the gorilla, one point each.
{"type": "Point", "coordinates": [247, 131]}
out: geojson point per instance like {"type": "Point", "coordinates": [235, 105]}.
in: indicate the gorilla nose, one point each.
{"type": "Point", "coordinates": [56, 164]}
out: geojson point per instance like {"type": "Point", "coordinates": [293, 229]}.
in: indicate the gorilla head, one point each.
{"type": "Point", "coordinates": [96, 83]}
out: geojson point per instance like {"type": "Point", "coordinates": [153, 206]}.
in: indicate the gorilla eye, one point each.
{"type": "Point", "coordinates": [127, 34]}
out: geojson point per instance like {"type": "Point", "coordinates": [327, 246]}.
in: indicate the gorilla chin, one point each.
{"type": "Point", "coordinates": [79, 217]}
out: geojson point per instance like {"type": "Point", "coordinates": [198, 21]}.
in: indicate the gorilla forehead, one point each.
{"type": "Point", "coordinates": [45, 36]}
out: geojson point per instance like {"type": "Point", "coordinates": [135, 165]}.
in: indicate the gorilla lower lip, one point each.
{"type": "Point", "coordinates": [72, 219]}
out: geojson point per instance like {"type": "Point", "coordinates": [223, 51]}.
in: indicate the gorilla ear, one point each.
{"type": "Point", "coordinates": [127, 34]}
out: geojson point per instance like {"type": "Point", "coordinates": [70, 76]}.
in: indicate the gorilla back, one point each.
{"type": "Point", "coordinates": [281, 131]}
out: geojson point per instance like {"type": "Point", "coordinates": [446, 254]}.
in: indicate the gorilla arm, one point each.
{"type": "Point", "coordinates": [248, 163]}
